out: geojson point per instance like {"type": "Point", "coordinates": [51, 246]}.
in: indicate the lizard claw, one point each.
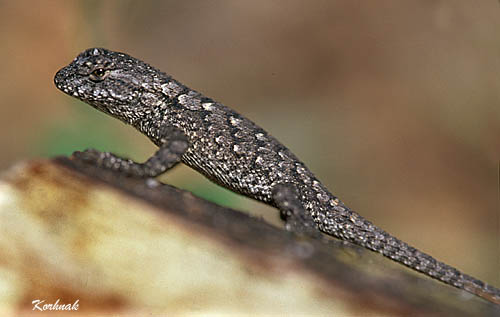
{"type": "Point", "coordinates": [88, 156]}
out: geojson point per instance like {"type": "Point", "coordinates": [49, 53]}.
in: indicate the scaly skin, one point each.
{"type": "Point", "coordinates": [231, 151]}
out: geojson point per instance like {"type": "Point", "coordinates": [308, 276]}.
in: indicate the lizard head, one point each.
{"type": "Point", "coordinates": [109, 81]}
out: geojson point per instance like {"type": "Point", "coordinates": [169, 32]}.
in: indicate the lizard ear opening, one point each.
{"type": "Point", "coordinates": [98, 74]}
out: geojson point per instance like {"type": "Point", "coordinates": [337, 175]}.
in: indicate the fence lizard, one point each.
{"type": "Point", "coordinates": [230, 150]}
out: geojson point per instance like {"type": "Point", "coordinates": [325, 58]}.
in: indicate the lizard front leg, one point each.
{"type": "Point", "coordinates": [291, 210]}
{"type": "Point", "coordinates": [174, 144]}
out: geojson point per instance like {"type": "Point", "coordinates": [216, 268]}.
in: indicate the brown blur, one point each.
{"type": "Point", "coordinates": [394, 105]}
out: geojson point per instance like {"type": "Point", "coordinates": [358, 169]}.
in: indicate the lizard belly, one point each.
{"type": "Point", "coordinates": [232, 175]}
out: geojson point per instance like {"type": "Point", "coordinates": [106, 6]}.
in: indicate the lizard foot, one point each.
{"type": "Point", "coordinates": [291, 210]}
{"type": "Point", "coordinates": [111, 161]}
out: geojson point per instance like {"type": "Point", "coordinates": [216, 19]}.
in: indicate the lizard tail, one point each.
{"type": "Point", "coordinates": [362, 232]}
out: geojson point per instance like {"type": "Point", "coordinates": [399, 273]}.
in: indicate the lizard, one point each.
{"type": "Point", "coordinates": [231, 151]}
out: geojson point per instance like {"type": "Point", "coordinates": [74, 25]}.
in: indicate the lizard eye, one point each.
{"type": "Point", "coordinates": [98, 74]}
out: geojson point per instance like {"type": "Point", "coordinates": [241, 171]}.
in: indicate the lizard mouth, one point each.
{"type": "Point", "coordinates": [66, 81]}
{"type": "Point", "coordinates": [61, 81]}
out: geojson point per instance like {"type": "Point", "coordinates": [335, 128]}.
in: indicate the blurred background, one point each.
{"type": "Point", "coordinates": [394, 105]}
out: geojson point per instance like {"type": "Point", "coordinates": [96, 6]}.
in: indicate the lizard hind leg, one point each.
{"type": "Point", "coordinates": [173, 146]}
{"type": "Point", "coordinates": [297, 219]}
